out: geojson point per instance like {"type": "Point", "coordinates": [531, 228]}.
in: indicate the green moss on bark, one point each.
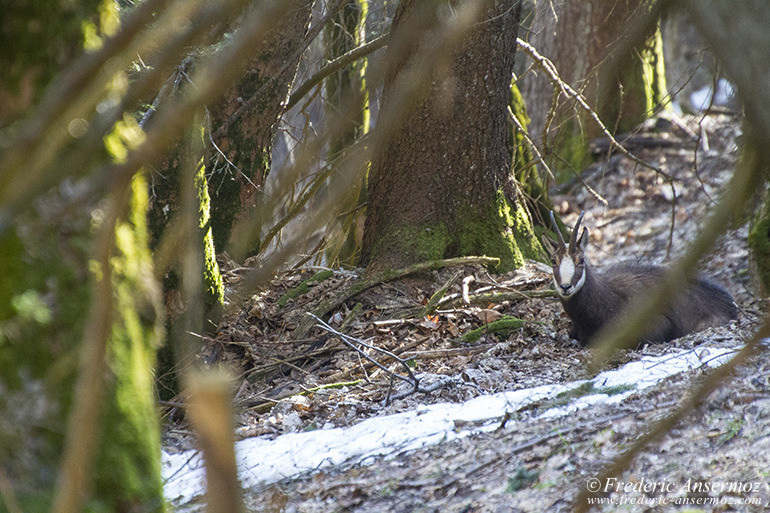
{"type": "Point", "coordinates": [408, 244]}
{"type": "Point", "coordinates": [642, 88]}
{"type": "Point", "coordinates": [45, 296]}
{"type": "Point", "coordinates": [759, 244]}
{"type": "Point", "coordinates": [164, 209]}
{"type": "Point", "coordinates": [128, 467]}
{"type": "Point", "coordinates": [39, 362]}
{"type": "Point", "coordinates": [502, 231]}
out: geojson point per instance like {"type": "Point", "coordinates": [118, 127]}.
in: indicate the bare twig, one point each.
{"type": "Point", "coordinates": [548, 67]}
{"type": "Point", "coordinates": [353, 343]}
{"type": "Point", "coordinates": [334, 66]}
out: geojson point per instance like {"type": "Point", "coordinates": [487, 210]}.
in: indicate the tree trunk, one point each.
{"type": "Point", "coordinates": [443, 187]}
{"type": "Point", "coordinates": [46, 291]}
{"type": "Point", "coordinates": [759, 245]}
{"type": "Point", "coordinates": [244, 133]}
{"type": "Point", "coordinates": [525, 166]}
{"type": "Point", "coordinates": [578, 36]}
{"type": "Point", "coordinates": [237, 162]}
{"type": "Point", "coordinates": [345, 33]}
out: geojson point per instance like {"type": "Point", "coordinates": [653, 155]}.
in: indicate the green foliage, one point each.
{"type": "Point", "coordinates": [521, 479]}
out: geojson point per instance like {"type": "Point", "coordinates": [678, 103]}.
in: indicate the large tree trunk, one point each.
{"type": "Point", "coordinates": [578, 36]}
{"type": "Point", "coordinates": [49, 273]}
{"type": "Point", "coordinates": [442, 187]}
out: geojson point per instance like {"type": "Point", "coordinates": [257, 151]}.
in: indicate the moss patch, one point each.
{"type": "Point", "coordinates": [406, 244]}
{"type": "Point", "coordinates": [303, 287]}
{"type": "Point", "coordinates": [501, 231]}
{"type": "Point", "coordinates": [503, 326]}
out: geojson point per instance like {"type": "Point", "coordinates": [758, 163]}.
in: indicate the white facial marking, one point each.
{"type": "Point", "coordinates": [566, 270]}
{"type": "Point", "coordinates": [564, 276]}
{"type": "Point", "coordinates": [580, 282]}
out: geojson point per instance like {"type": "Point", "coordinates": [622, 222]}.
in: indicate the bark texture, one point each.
{"type": "Point", "coordinates": [439, 188]}
{"type": "Point", "coordinates": [245, 120]}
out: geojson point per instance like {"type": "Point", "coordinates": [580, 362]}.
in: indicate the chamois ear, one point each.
{"type": "Point", "coordinates": [582, 242]}
{"type": "Point", "coordinates": [549, 244]}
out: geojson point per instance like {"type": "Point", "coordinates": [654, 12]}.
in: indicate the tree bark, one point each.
{"type": "Point", "coordinates": [243, 137]}
{"type": "Point", "coordinates": [49, 281]}
{"type": "Point", "coordinates": [345, 33]}
{"type": "Point", "coordinates": [239, 135]}
{"type": "Point", "coordinates": [443, 186]}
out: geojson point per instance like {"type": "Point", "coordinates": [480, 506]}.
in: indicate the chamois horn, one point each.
{"type": "Point", "coordinates": [562, 244]}
{"type": "Point", "coordinates": [575, 230]}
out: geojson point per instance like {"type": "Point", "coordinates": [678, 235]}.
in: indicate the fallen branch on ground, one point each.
{"type": "Point", "coordinates": [365, 284]}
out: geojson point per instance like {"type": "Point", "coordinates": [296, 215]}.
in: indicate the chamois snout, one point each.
{"type": "Point", "coordinates": [591, 299]}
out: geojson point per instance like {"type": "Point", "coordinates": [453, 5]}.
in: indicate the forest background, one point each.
{"type": "Point", "coordinates": [141, 140]}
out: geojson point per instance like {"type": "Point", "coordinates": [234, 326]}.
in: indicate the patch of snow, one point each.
{"type": "Point", "coordinates": [701, 99]}
{"type": "Point", "coordinates": [262, 461]}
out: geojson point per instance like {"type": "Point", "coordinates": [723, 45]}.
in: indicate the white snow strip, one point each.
{"type": "Point", "coordinates": [262, 461]}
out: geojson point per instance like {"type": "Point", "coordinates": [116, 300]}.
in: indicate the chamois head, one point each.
{"type": "Point", "coordinates": [569, 267]}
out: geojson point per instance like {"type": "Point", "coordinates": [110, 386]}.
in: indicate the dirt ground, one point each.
{"type": "Point", "coordinates": [292, 381]}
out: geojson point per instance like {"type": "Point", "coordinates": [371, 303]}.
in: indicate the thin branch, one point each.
{"type": "Point", "coordinates": [580, 178]}
{"type": "Point", "coordinates": [352, 341]}
{"type": "Point", "coordinates": [334, 66]}
{"type": "Point", "coordinates": [362, 285]}
{"type": "Point", "coordinates": [81, 441]}
{"type": "Point", "coordinates": [548, 67]}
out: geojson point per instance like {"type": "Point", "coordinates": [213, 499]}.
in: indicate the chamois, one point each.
{"type": "Point", "coordinates": [591, 299]}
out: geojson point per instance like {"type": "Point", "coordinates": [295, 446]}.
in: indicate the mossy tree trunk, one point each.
{"type": "Point", "coordinates": [531, 187]}
{"type": "Point", "coordinates": [48, 279]}
{"type": "Point", "coordinates": [237, 160]}
{"type": "Point", "coordinates": [443, 187]}
{"type": "Point", "coordinates": [345, 33]}
{"type": "Point", "coordinates": [578, 36]}
{"type": "Point", "coordinates": [759, 244]}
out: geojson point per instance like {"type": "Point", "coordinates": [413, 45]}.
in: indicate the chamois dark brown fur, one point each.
{"type": "Point", "coordinates": [591, 299]}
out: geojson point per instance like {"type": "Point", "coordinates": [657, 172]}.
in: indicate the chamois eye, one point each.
{"type": "Point", "coordinates": [581, 262]}
{"type": "Point", "coordinates": [553, 261]}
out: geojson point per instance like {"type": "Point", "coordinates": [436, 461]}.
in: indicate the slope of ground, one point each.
{"type": "Point", "coordinates": [318, 380]}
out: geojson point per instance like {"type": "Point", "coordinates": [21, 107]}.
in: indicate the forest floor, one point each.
{"type": "Point", "coordinates": [316, 381]}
